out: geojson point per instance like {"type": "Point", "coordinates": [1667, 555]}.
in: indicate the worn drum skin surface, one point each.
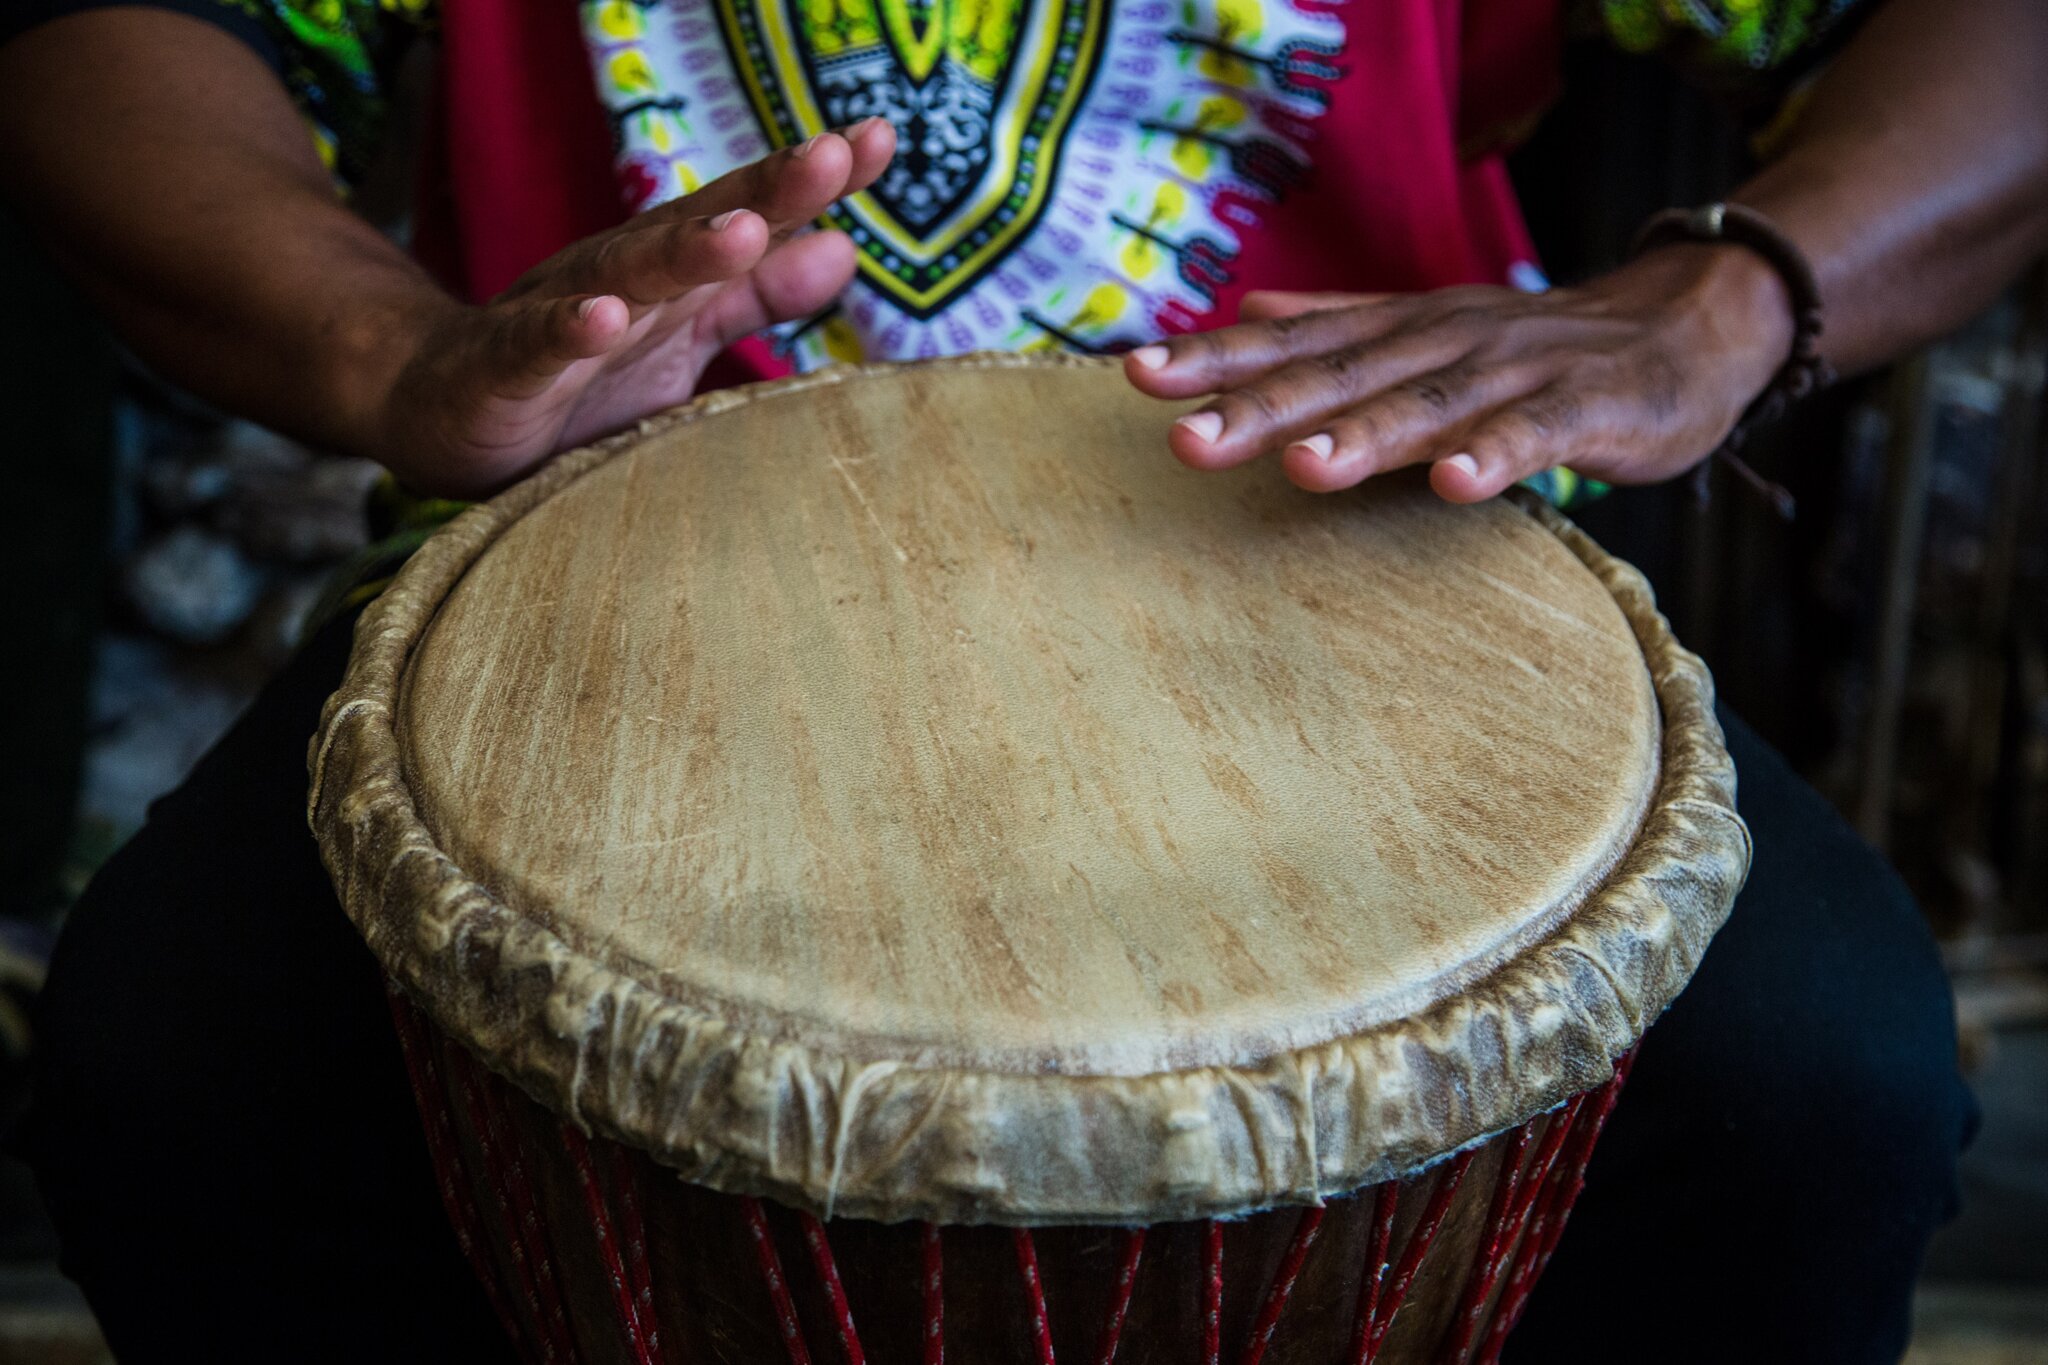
{"type": "Point", "coordinates": [907, 794]}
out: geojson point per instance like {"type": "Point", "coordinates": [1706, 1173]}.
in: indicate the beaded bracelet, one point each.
{"type": "Point", "coordinates": [1804, 369]}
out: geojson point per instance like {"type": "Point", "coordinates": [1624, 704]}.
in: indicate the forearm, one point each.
{"type": "Point", "coordinates": [1916, 179]}
{"type": "Point", "coordinates": [165, 167]}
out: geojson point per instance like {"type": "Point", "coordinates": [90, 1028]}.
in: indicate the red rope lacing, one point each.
{"type": "Point", "coordinates": [430, 1098]}
{"type": "Point", "coordinates": [1282, 1287]}
{"type": "Point", "coordinates": [1530, 1202]}
{"type": "Point", "coordinates": [1034, 1294]}
{"type": "Point", "coordinates": [638, 1337]}
{"type": "Point", "coordinates": [778, 1287]}
{"type": "Point", "coordinates": [835, 1292]}
{"type": "Point", "coordinates": [505, 1172]}
{"type": "Point", "coordinates": [934, 1297]}
{"type": "Point", "coordinates": [1212, 1293]}
{"type": "Point", "coordinates": [1130, 1247]}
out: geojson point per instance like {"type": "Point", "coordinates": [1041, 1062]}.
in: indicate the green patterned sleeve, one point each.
{"type": "Point", "coordinates": [1754, 47]}
{"type": "Point", "coordinates": [337, 58]}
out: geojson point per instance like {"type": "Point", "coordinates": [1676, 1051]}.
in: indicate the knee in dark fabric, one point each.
{"type": "Point", "coordinates": [1884, 1103]}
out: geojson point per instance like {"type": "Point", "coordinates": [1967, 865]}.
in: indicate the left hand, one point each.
{"type": "Point", "coordinates": [1632, 378]}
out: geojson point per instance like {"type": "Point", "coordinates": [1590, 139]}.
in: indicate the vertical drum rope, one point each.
{"type": "Point", "coordinates": [1495, 1248]}
{"type": "Point", "coordinates": [1593, 1120]}
{"type": "Point", "coordinates": [1130, 1247]}
{"type": "Point", "coordinates": [1418, 1246]}
{"type": "Point", "coordinates": [1521, 1235]}
{"type": "Point", "coordinates": [786, 1322]}
{"type": "Point", "coordinates": [1562, 1126]}
{"type": "Point", "coordinates": [506, 1175]}
{"type": "Point", "coordinates": [1212, 1293]}
{"type": "Point", "coordinates": [1034, 1294]}
{"type": "Point", "coordinates": [432, 1100]}
{"type": "Point", "coordinates": [933, 1284]}
{"type": "Point", "coordinates": [835, 1291]}
{"type": "Point", "coordinates": [631, 1227]}
{"type": "Point", "coordinates": [1560, 1191]}
{"type": "Point", "coordinates": [1386, 1199]}
{"type": "Point", "coordinates": [594, 1204]}
{"type": "Point", "coordinates": [1283, 1285]}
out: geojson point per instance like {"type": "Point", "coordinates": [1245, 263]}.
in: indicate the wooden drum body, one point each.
{"type": "Point", "coordinates": [886, 865]}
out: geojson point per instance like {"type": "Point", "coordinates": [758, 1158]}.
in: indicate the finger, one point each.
{"type": "Point", "coordinates": [791, 186]}
{"type": "Point", "coordinates": [1539, 432]}
{"type": "Point", "coordinates": [529, 345]}
{"type": "Point", "coordinates": [873, 141]}
{"type": "Point", "coordinates": [646, 265]}
{"type": "Point", "coordinates": [1404, 424]}
{"type": "Point", "coordinates": [794, 280]}
{"type": "Point", "coordinates": [1300, 398]}
{"type": "Point", "coordinates": [798, 183]}
{"type": "Point", "coordinates": [1263, 305]}
{"type": "Point", "coordinates": [1202, 362]}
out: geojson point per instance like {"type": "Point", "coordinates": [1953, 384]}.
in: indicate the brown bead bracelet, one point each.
{"type": "Point", "coordinates": [1804, 369]}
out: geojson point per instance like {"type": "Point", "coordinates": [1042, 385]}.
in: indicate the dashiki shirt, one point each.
{"type": "Point", "coordinates": [1065, 176]}
{"type": "Point", "coordinates": [1086, 174]}
{"type": "Point", "coordinates": [1091, 174]}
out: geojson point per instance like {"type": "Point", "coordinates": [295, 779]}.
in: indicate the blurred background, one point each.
{"type": "Point", "coordinates": [1892, 640]}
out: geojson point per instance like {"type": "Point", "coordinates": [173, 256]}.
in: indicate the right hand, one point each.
{"type": "Point", "coordinates": [622, 324]}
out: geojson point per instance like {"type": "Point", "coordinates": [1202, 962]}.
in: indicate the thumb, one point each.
{"type": "Point", "coordinates": [527, 345]}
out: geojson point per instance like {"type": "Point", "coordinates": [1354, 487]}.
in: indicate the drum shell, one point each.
{"type": "Point", "coordinates": [559, 1226]}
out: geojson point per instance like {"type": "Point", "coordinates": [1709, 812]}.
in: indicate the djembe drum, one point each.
{"type": "Point", "coordinates": [887, 865]}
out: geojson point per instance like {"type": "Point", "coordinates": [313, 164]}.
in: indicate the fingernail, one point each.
{"type": "Point", "coordinates": [807, 146]}
{"type": "Point", "coordinates": [1205, 425]}
{"type": "Point", "coordinates": [854, 130]}
{"type": "Point", "coordinates": [586, 308]}
{"type": "Point", "coordinates": [1152, 357]}
{"type": "Point", "coordinates": [1464, 463]}
{"type": "Point", "coordinates": [1319, 445]}
{"type": "Point", "coordinates": [720, 223]}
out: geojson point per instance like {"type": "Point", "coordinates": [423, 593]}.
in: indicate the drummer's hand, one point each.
{"type": "Point", "coordinates": [1632, 378]}
{"type": "Point", "coordinates": [623, 323]}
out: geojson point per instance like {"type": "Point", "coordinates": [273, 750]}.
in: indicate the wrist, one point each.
{"type": "Point", "coordinates": [1774, 293]}
{"type": "Point", "coordinates": [1723, 224]}
{"type": "Point", "coordinates": [1734, 307]}
{"type": "Point", "coordinates": [376, 339]}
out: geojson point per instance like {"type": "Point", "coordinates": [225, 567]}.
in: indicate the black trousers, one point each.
{"type": "Point", "coordinates": [223, 1131]}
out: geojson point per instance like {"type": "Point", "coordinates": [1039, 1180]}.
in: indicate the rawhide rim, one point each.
{"type": "Point", "coordinates": [773, 1117]}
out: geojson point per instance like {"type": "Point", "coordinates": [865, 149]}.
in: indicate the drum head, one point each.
{"type": "Point", "coordinates": [912, 788]}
